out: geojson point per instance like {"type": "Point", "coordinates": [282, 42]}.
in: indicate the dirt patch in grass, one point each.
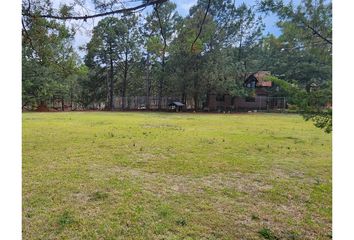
{"type": "Point", "coordinates": [237, 196]}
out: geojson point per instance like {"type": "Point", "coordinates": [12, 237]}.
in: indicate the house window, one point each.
{"type": "Point", "coordinates": [250, 99]}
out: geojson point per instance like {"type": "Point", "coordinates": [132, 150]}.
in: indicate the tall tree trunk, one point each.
{"type": "Point", "coordinates": [148, 82]}
{"type": "Point", "coordinates": [111, 106]}
{"type": "Point", "coordinates": [195, 94]}
{"type": "Point", "coordinates": [195, 98]}
{"type": "Point", "coordinates": [62, 104]}
{"type": "Point", "coordinates": [42, 106]}
{"type": "Point", "coordinates": [107, 107]}
{"type": "Point", "coordinates": [111, 88]}
{"type": "Point", "coordinates": [207, 97]}
{"type": "Point", "coordinates": [162, 77]}
{"type": "Point", "coordinates": [163, 58]}
{"type": "Point", "coordinates": [195, 82]}
{"type": "Point", "coordinates": [240, 45]}
{"type": "Point", "coordinates": [184, 94]}
{"type": "Point", "coordinates": [183, 97]}
{"type": "Point", "coordinates": [125, 76]}
{"type": "Point", "coordinates": [71, 100]}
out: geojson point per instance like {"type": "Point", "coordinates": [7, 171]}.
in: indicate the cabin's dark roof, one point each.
{"type": "Point", "coordinates": [259, 77]}
{"type": "Point", "coordinates": [178, 104]}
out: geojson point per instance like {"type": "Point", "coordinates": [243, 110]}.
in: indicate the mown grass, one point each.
{"type": "Point", "coordinates": [175, 176]}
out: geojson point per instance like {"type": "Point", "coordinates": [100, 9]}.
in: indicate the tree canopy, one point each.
{"type": "Point", "coordinates": [159, 53]}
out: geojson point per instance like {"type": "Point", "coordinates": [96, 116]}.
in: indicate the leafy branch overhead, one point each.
{"type": "Point", "coordinates": [307, 16]}
{"type": "Point", "coordinates": [311, 104]}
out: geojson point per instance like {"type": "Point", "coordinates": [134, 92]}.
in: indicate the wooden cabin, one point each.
{"type": "Point", "coordinates": [261, 98]}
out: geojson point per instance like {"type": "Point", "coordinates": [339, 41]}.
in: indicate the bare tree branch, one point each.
{"type": "Point", "coordinates": [26, 34]}
{"type": "Point", "coordinates": [201, 26]}
{"type": "Point", "coordinates": [85, 17]}
{"type": "Point", "coordinates": [278, 8]}
{"type": "Point", "coordinates": [318, 34]}
{"type": "Point", "coordinates": [161, 29]}
{"type": "Point", "coordinates": [162, 57]}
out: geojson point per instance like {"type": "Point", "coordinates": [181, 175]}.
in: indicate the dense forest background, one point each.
{"type": "Point", "coordinates": [159, 53]}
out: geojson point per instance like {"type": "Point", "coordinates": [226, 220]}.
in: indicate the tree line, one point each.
{"type": "Point", "coordinates": [160, 53]}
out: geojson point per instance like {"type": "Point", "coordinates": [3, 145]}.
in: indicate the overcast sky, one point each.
{"type": "Point", "coordinates": [83, 30]}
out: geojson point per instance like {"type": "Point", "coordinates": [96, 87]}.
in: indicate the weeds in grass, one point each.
{"type": "Point", "coordinates": [110, 134]}
{"type": "Point", "coordinates": [28, 215]}
{"type": "Point", "coordinates": [181, 222]}
{"type": "Point", "coordinates": [98, 196]}
{"type": "Point", "coordinates": [267, 234]}
{"type": "Point", "coordinates": [65, 219]}
{"type": "Point", "coordinates": [164, 211]}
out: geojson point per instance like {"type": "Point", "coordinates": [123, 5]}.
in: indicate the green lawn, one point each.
{"type": "Point", "coordinates": [175, 176]}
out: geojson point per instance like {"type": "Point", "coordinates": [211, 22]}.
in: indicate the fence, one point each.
{"type": "Point", "coordinates": [142, 102]}
{"type": "Point", "coordinates": [236, 104]}
{"type": "Point", "coordinates": [260, 103]}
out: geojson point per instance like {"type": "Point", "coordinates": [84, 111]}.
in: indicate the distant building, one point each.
{"type": "Point", "coordinates": [261, 99]}
{"type": "Point", "coordinates": [258, 80]}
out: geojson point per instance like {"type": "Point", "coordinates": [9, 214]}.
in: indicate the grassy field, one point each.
{"type": "Point", "coordinates": [175, 176]}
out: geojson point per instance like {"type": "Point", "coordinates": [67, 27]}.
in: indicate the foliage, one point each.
{"type": "Point", "coordinates": [313, 18]}
{"type": "Point", "coordinates": [213, 49]}
{"type": "Point", "coordinates": [298, 53]}
{"type": "Point", "coordinates": [213, 63]}
{"type": "Point", "coordinates": [267, 234]}
{"type": "Point", "coordinates": [302, 55]}
{"type": "Point", "coordinates": [49, 62]}
{"type": "Point", "coordinates": [312, 105]}
{"type": "Point", "coordinates": [161, 25]}
{"type": "Point", "coordinates": [114, 46]}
